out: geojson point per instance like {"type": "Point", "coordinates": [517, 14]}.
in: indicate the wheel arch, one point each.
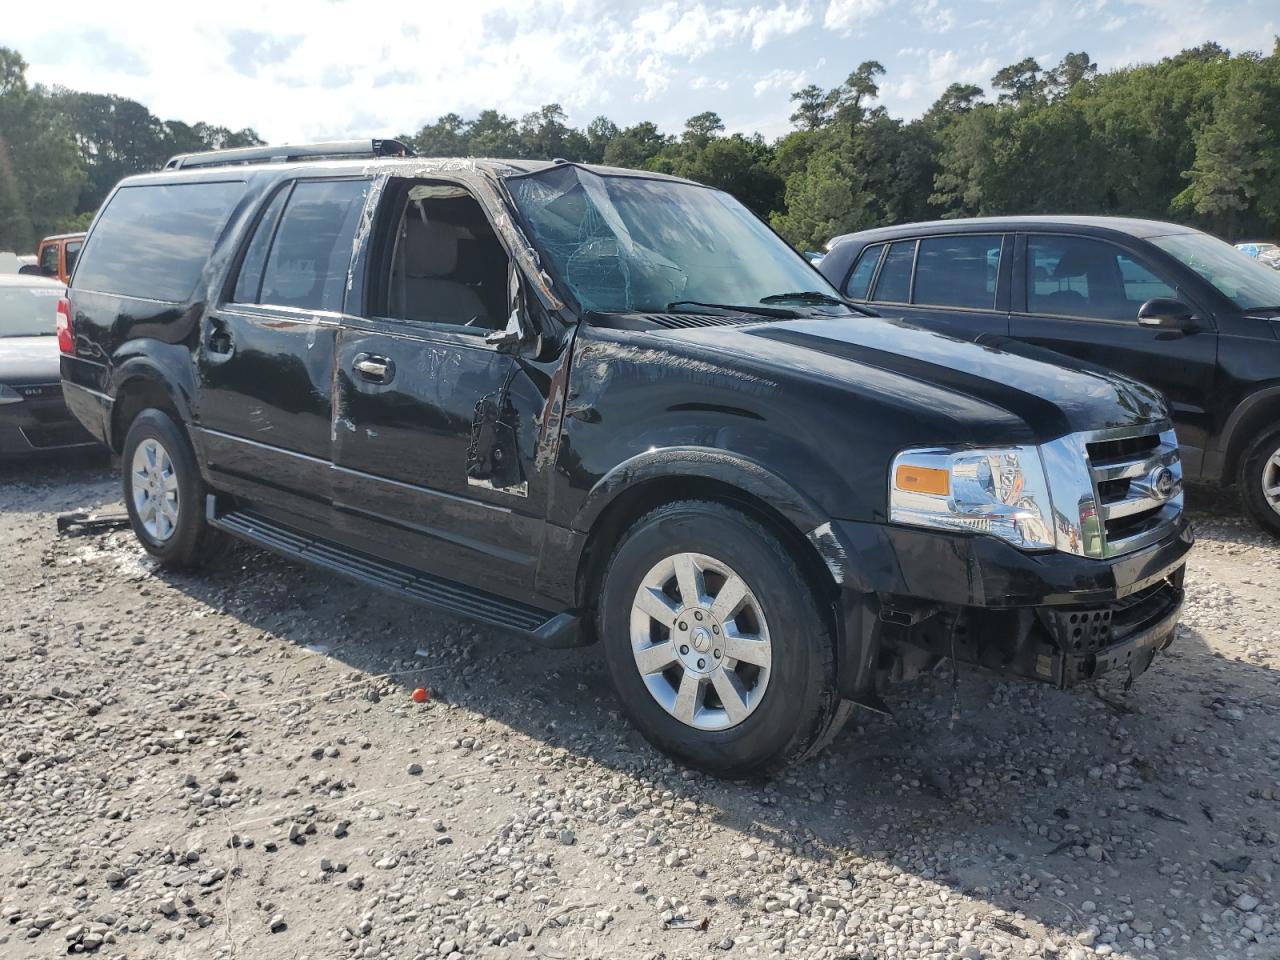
{"type": "Point", "coordinates": [1253, 414]}
{"type": "Point", "coordinates": [652, 479]}
{"type": "Point", "coordinates": [140, 385]}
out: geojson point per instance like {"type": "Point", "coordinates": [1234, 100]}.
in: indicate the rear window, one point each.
{"type": "Point", "coordinates": [152, 241]}
{"type": "Point", "coordinates": [859, 284]}
{"type": "Point", "coordinates": [894, 282]}
{"type": "Point", "coordinates": [311, 249]}
{"type": "Point", "coordinates": [28, 311]}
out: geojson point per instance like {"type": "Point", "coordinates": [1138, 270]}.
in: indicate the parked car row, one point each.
{"type": "Point", "coordinates": [610, 407]}
{"type": "Point", "coordinates": [1162, 303]}
{"type": "Point", "coordinates": [33, 415]}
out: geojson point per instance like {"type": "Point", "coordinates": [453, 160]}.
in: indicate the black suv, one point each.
{"type": "Point", "coordinates": [579, 402]}
{"type": "Point", "coordinates": [1166, 304]}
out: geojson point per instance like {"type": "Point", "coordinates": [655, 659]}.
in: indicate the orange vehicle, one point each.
{"type": "Point", "coordinates": [57, 255]}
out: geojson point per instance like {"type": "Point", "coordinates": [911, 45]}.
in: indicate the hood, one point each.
{"type": "Point", "coordinates": [977, 384]}
{"type": "Point", "coordinates": [29, 360]}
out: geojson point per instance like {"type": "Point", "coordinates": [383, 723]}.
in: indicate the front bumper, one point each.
{"type": "Point", "coordinates": [40, 423]}
{"type": "Point", "coordinates": [1053, 617]}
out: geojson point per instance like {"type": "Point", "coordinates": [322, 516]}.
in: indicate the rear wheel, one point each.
{"type": "Point", "coordinates": [164, 493]}
{"type": "Point", "coordinates": [1260, 480]}
{"type": "Point", "coordinates": [715, 642]}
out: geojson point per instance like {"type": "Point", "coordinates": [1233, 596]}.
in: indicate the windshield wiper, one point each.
{"type": "Point", "coordinates": [804, 296]}
{"type": "Point", "coordinates": [774, 312]}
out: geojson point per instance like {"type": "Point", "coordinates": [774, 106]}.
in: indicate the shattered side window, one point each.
{"type": "Point", "coordinates": [633, 244]}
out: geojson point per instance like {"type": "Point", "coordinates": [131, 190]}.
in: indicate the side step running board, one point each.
{"type": "Point", "coordinates": [541, 626]}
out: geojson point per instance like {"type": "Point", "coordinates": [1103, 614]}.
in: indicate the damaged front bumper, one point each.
{"type": "Point", "coordinates": [911, 597]}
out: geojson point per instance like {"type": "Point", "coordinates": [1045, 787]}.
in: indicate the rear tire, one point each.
{"type": "Point", "coordinates": [165, 494]}
{"type": "Point", "coordinates": [1260, 480]}
{"type": "Point", "coordinates": [733, 673]}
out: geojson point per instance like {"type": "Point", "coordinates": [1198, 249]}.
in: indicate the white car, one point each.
{"type": "Point", "coordinates": [1268, 253]}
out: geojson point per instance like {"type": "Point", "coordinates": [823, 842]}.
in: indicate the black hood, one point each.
{"type": "Point", "coordinates": [29, 360]}
{"type": "Point", "coordinates": [1051, 394]}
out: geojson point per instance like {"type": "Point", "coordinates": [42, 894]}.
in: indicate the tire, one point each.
{"type": "Point", "coordinates": [1260, 480]}
{"type": "Point", "coordinates": [158, 468]}
{"type": "Point", "coordinates": [786, 706]}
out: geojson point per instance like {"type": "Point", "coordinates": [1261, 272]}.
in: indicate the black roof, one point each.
{"type": "Point", "coordinates": [1131, 226]}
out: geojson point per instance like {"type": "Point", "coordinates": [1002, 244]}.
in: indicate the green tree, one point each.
{"type": "Point", "coordinates": [40, 169]}
{"type": "Point", "coordinates": [813, 107]}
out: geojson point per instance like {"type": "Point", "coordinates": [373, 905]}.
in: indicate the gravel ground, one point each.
{"type": "Point", "coordinates": [232, 765]}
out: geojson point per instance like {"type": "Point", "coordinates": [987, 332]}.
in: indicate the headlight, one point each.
{"type": "Point", "coordinates": [1000, 491]}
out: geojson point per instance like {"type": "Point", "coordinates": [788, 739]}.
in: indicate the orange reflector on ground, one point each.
{"type": "Point", "coordinates": [922, 480]}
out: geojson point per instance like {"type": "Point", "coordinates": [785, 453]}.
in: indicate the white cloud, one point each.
{"type": "Point", "coordinates": [780, 79]}
{"type": "Point", "coordinates": [845, 15]}
{"type": "Point", "coordinates": [781, 20]}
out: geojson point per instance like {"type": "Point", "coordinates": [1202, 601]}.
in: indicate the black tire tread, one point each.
{"type": "Point", "coordinates": [195, 544]}
{"type": "Point", "coordinates": [827, 712]}
{"type": "Point", "coordinates": [1261, 447]}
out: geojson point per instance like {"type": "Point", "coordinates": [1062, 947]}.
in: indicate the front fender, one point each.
{"type": "Point", "coordinates": [708, 463]}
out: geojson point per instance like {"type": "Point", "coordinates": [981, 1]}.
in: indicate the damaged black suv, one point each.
{"type": "Point", "coordinates": [597, 405]}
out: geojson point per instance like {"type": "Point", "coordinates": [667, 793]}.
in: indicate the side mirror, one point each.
{"type": "Point", "coordinates": [1166, 313]}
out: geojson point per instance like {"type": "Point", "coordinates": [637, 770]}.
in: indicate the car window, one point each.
{"type": "Point", "coordinates": [49, 259]}
{"type": "Point", "coordinates": [859, 284]}
{"type": "Point", "coordinates": [447, 265]}
{"type": "Point", "coordinates": [152, 241]}
{"type": "Point", "coordinates": [1088, 278]}
{"type": "Point", "coordinates": [894, 283]}
{"type": "Point", "coordinates": [28, 311]}
{"type": "Point", "coordinates": [1248, 283]}
{"type": "Point", "coordinates": [958, 271]}
{"type": "Point", "coordinates": [311, 254]}
{"type": "Point", "coordinates": [72, 255]}
{"type": "Point", "coordinates": [249, 282]}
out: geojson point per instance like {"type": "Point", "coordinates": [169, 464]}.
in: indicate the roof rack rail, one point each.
{"type": "Point", "coordinates": [287, 153]}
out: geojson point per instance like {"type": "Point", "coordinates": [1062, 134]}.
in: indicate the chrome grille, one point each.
{"type": "Point", "coordinates": [1114, 491]}
{"type": "Point", "coordinates": [1138, 479]}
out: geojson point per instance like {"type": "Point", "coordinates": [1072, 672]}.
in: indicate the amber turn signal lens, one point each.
{"type": "Point", "coordinates": [922, 480]}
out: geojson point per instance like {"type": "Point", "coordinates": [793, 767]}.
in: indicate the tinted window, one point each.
{"type": "Point", "coordinates": [153, 241]}
{"type": "Point", "coordinates": [249, 283]}
{"type": "Point", "coordinates": [1081, 277]}
{"type": "Point", "coordinates": [958, 271]}
{"type": "Point", "coordinates": [49, 260]}
{"type": "Point", "coordinates": [894, 283]}
{"type": "Point", "coordinates": [309, 259]}
{"type": "Point", "coordinates": [860, 280]}
{"type": "Point", "coordinates": [72, 255]}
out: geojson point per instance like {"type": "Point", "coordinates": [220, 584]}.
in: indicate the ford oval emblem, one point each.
{"type": "Point", "coordinates": [1164, 482]}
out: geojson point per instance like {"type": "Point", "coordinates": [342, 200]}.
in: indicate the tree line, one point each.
{"type": "Point", "coordinates": [1194, 138]}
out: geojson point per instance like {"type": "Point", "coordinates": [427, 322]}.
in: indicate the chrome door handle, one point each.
{"type": "Point", "coordinates": [374, 369]}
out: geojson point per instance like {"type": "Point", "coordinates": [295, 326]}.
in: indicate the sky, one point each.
{"type": "Point", "coordinates": [317, 69]}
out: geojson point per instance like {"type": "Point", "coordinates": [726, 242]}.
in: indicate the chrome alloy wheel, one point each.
{"type": "Point", "coordinates": [155, 489]}
{"type": "Point", "coordinates": [1271, 481]}
{"type": "Point", "coordinates": [700, 641]}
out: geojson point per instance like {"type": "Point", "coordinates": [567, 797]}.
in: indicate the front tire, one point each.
{"type": "Point", "coordinates": [715, 642]}
{"type": "Point", "coordinates": [1260, 481]}
{"type": "Point", "coordinates": [164, 493]}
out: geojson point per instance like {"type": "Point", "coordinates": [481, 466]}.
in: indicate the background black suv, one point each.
{"type": "Point", "coordinates": [1157, 301]}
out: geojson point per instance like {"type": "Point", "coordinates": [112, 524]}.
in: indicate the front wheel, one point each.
{"type": "Point", "coordinates": [164, 493]}
{"type": "Point", "coordinates": [1260, 480]}
{"type": "Point", "coordinates": [715, 642]}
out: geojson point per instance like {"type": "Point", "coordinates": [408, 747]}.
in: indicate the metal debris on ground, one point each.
{"type": "Point", "coordinates": [79, 523]}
